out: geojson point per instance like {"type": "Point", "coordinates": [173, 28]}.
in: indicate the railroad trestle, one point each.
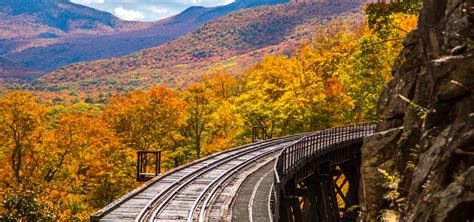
{"type": "Point", "coordinates": [317, 177]}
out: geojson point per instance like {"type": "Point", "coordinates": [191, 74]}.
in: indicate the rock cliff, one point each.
{"type": "Point", "coordinates": [426, 117]}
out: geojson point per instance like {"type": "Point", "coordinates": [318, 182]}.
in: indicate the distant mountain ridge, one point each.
{"type": "Point", "coordinates": [236, 40]}
{"type": "Point", "coordinates": [66, 33]}
{"type": "Point", "coordinates": [203, 14]}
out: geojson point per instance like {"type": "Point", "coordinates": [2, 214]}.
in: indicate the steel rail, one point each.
{"type": "Point", "coordinates": [270, 213]}
{"type": "Point", "coordinates": [165, 197]}
{"type": "Point", "coordinates": [236, 187]}
{"type": "Point", "coordinates": [115, 204]}
{"type": "Point", "coordinates": [220, 180]}
{"type": "Point", "coordinates": [141, 215]}
{"type": "Point", "coordinates": [254, 193]}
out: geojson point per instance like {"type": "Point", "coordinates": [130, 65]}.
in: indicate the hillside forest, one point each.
{"type": "Point", "coordinates": [63, 160]}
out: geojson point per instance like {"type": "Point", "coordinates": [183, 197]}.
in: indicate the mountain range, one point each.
{"type": "Point", "coordinates": [231, 42]}
{"type": "Point", "coordinates": [43, 35]}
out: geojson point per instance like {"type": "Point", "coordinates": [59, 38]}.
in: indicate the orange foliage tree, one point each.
{"type": "Point", "coordinates": [149, 121]}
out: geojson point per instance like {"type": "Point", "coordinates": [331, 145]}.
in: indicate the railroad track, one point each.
{"type": "Point", "coordinates": [211, 204]}
{"type": "Point", "coordinates": [222, 195]}
{"type": "Point", "coordinates": [180, 194]}
{"type": "Point", "coordinates": [186, 200]}
{"type": "Point", "coordinates": [209, 189]}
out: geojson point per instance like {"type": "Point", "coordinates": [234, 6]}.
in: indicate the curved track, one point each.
{"type": "Point", "coordinates": [233, 185]}
{"type": "Point", "coordinates": [180, 194]}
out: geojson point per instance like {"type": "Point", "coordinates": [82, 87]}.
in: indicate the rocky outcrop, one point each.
{"type": "Point", "coordinates": [426, 128]}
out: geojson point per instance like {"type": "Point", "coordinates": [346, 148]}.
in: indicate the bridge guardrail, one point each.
{"type": "Point", "coordinates": [309, 147]}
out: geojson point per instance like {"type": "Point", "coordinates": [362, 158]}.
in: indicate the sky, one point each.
{"type": "Point", "coordinates": [147, 10]}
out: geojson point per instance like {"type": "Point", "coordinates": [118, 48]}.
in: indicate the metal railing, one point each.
{"type": "Point", "coordinates": [292, 156]}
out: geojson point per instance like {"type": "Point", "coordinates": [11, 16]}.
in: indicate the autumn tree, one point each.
{"type": "Point", "coordinates": [225, 127]}
{"type": "Point", "coordinates": [264, 102]}
{"type": "Point", "coordinates": [380, 14]}
{"type": "Point", "coordinates": [199, 102]}
{"type": "Point", "coordinates": [96, 168]}
{"type": "Point", "coordinates": [148, 121]}
{"type": "Point", "coordinates": [22, 124]}
{"type": "Point", "coordinates": [22, 121]}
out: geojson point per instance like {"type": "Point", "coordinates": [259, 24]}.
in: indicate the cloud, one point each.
{"type": "Point", "coordinates": [129, 15]}
{"type": "Point", "coordinates": [86, 2]}
{"type": "Point", "coordinates": [159, 10]}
